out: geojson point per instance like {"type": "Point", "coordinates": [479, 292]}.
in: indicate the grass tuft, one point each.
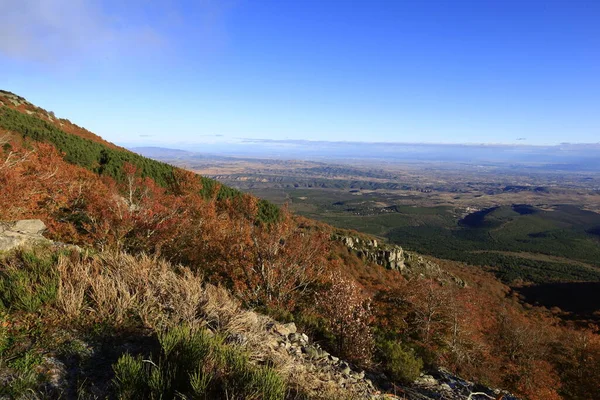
{"type": "Point", "coordinates": [28, 281]}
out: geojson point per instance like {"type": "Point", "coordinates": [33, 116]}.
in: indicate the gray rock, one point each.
{"type": "Point", "coordinates": [395, 258]}
{"type": "Point", "coordinates": [445, 387]}
{"type": "Point", "coordinates": [310, 352]}
{"type": "Point", "coordinates": [21, 233]}
{"type": "Point", "coordinates": [285, 329]}
{"type": "Point", "coordinates": [388, 256]}
{"type": "Point", "coordinates": [236, 339]}
{"type": "Point", "coordinates": [426, 380]}
{"type": "Point", "coordinates": [294, 337]}
{"type": "Point", "coordinates": [345, 368]}
{"type": "Point", "coordinates": [29, 227]}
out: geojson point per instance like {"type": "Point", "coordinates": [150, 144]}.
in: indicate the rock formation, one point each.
{"type": "Point", "coordinates": [395, 258]}
{"type": "Point", "coordinates": [388, 256]}
{"type": "Point", "coordinates": [21, 233]}
{"type": "Point", "coordinates": [438, 384]}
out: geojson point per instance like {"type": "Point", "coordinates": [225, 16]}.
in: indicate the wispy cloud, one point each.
{"type": "Point", "coordinates": [64, 31]}
{"type": "Point", "coordinates": [55, 30]}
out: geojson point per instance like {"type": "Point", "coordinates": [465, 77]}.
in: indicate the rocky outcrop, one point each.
{"type": "Point", "coordinates": [437, 384]}
{"type": "Point", "coordinates": [388, 256]}
{"type": "Point", "coordinates": [320, 371]}
{"type": "Point", "coordinates": [395, 258]}
{"type": "Point", "coordinates": [420, 266]}
{"type": "Point", "coordinates": [13, 98]}
{"type": "Point", "coordinates": [21, 233]}
{"type": "Point", "coordinates": [441, 384]}
{"type": "Point", "coordinates": [321, 363]}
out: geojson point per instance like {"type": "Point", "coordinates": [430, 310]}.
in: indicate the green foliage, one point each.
{"type": "Point", "coordinates": [83, 152]}
{"type": "Point", "coordinates": [316, 327]}
{"type": "Point", "coordinates": [519, 242]}
{"type": "Point", "coordinates": [26, 361]}
{"type": "Point", "coordinates": [399, 362]}
{"type": "Point", "coordinates": [192, 365]}
{"type": "Point", "coordinates": [5, 337]}
{"type": "Point", "coordinates": [496, 237]}
{"type": "Point", "coordinates": [107, 161]}
{"type": "Point", "coordinates": [27, 281]}
{"type": "Point", "coordinates": [22, 386]}
{"type": "Point", "coordinates": [267, 211]}
{"type": "Point", "coordinates": [130, 376]}
{"type": "Point", "coordinates": [24, 378]}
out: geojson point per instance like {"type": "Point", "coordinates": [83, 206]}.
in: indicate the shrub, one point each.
{"type": "Point", "coordinates": [28, 280]}
{"type": "Point", "coordinates": [195, 364]}
{"type": "Point", "coordinates": [348, 311]}
{"type": "Point", "coordinates": [109, 161]}
{"type": "Point", "coordinates": [400, 362]}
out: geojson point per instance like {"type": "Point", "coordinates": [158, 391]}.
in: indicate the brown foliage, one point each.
{"type": "Point", "coordinates": [348, 311]}
{"type": "Point", "coordinates": [476, 331]}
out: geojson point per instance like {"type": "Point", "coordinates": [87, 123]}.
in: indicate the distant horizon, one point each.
{"type": "Point", "coordinates": [571, 156]}
{"type": "Point", "coordinates": [342, 142]}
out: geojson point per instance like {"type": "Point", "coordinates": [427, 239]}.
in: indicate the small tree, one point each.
{"type": "Point", "coordinates": [348, 311]}
{"type": "Point", "coordinates": [272, 264]}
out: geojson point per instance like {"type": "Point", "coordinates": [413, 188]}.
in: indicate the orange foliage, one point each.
{"type": "Point", "coordinates": [348, 311]}
{"type": "Point", "coordinates": [476, 331]}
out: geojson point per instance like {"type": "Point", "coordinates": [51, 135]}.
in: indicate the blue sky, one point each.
{"type": "Point", "coordinates": [173, 72]}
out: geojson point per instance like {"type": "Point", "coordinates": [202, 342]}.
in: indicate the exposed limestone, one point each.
{"type": "Point", "coordinates": [417, 265]}
{"type": "Point", "coordinates": [13, 98]}
{"type": "Point", "coordinates": [388, 256]}
{"type": "Point", "coordinates": [21, 233]}
{"type": "Point", "coordinates": [395, 258]}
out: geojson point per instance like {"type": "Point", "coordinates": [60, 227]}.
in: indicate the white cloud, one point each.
{"type": "Point", "coordinates": [74, 30]}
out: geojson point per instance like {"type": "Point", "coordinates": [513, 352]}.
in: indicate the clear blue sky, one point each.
{"type": "Point", "coordinates": [398, 70]}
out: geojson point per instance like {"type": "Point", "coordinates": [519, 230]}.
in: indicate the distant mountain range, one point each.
{"type": "Point", "coordinates": [565, 156]}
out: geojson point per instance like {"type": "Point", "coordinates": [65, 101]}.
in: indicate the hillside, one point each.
{"type": "Point", "coordinates": [153, 282]}
{"type": "Point", "coordinates": [525, 225]}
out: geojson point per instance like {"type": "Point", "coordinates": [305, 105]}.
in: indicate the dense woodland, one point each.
{"type": "Point", "coordinates": [110, 201]}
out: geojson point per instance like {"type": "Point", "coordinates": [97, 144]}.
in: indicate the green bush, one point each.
{"type": "Point", "coordinates": [27, 281]}
{"type": "Point", "coordinates": [400, 362]}
{"type": "Point", "coordinates": [195, 365]}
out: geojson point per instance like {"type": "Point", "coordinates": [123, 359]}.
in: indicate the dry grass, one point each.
{"type": "Point", "coordinates": [114, 287]}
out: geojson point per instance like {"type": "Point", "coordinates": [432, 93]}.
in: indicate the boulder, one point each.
{"type": "Point", "coordinates": [21, 233]}
{"type": "Point", "coordinates": [285, 329]}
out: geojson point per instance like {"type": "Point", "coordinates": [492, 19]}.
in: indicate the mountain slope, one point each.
{"type": "Point", "coordinates": [11, 100]}
{"type": "Point", "coordinates": [110, 201]}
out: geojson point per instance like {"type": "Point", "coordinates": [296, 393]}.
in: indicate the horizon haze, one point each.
{"type": "Point", "coordinates": [570, 157]}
